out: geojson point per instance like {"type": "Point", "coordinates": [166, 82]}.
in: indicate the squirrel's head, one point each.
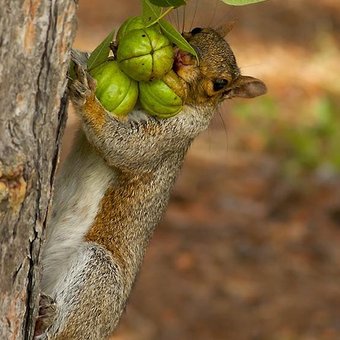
{"type": "Point", "coordinates": [215, 76]}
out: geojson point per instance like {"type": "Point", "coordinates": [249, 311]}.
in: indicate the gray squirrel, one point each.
{"type": "Point", "coordinates": [115, 186]}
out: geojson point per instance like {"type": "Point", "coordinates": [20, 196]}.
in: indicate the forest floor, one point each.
{"type": "Point", "coordinates": [250, 245]}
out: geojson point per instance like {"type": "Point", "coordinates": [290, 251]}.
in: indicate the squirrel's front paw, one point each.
{"type": "Point", "coordinates": [82, 87]}
{"type": "Point", "coordinates": [47, 312]}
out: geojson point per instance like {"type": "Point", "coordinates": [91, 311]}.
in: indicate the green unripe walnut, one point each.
{"type": "Point", "coordinates": [158, 99]}
{"type": "Point", "coordinates": [115, 90]}
{"type": "Point", "coordinates": [129, 25]}
{"type": "Point", "coordinates": [145, 54]}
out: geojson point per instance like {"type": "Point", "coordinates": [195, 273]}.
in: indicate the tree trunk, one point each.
{"type": "Point", "coordinates": [35, 40]}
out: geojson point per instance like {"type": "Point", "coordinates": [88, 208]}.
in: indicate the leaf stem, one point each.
{"type": "Point", "coordinates": [161, 16]}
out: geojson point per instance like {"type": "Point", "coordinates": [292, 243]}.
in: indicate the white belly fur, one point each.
{"type": "Point", "coordinates": [78, 192]}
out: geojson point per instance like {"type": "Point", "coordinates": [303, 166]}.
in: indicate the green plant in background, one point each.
{"type": "Point", "coordinates": [306, 145]}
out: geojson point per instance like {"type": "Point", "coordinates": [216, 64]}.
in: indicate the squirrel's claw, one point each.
{"type": "Point", "coordinates": [47, 312]}
{"type": "Point", "coordinates": [79, 57]}
{"type": "Point", "coordinates": [82, 87]}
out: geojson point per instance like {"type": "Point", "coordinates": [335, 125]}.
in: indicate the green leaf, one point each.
{"type": "Point", "coordinates": [150, 12]}
{"type": "Point", "coordinates": [241, 2]}
{"type": "Point", "coordinates": [168, 3]}
{"type": "Point", "coordinates": [175, 37]}
{"type": "Point", "coordinates": [71, 72]}
{"type": "Point", "coordinates": [100, 54]}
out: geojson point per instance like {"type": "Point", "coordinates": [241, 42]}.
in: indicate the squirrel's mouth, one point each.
{"type": "Point", "coordinates": [184, 65]}
{"type": "Point", "coordinates": [183, 58]}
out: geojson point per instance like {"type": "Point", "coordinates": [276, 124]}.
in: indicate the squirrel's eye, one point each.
{"type": "Point", "coordinates": [196, 30]}
{"type": "Point", "coordinates": [219, 84]}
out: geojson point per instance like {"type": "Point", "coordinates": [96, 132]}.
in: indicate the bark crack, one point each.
{"type": "Point", "coordinates": [30, 304]}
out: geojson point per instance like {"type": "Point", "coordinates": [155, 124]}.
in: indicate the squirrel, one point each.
{"type": "Point", "coordinates": [114, 188]}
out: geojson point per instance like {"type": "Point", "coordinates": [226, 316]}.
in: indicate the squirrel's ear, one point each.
{"type": "Point", "coordinates": [223, 30]}
{"type": "Point", "coordinates": [247, 87]}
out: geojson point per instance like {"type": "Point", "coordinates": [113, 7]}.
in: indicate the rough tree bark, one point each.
{"type": "Point", "coordinates": [35, 40]}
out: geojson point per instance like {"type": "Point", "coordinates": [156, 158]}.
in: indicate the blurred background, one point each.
{"type": "Point", "coordinates": [250, 245]}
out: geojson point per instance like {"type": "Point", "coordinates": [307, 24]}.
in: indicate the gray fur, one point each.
{"type": "Point", "coordinates": [90, 298]}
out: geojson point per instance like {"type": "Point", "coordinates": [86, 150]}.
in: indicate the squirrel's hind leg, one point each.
{"type": "Point", "coordinates": [89, 298]}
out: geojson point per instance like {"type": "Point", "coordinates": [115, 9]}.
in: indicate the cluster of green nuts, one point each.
{"type": "Point", "coordinates": [140, 70]}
